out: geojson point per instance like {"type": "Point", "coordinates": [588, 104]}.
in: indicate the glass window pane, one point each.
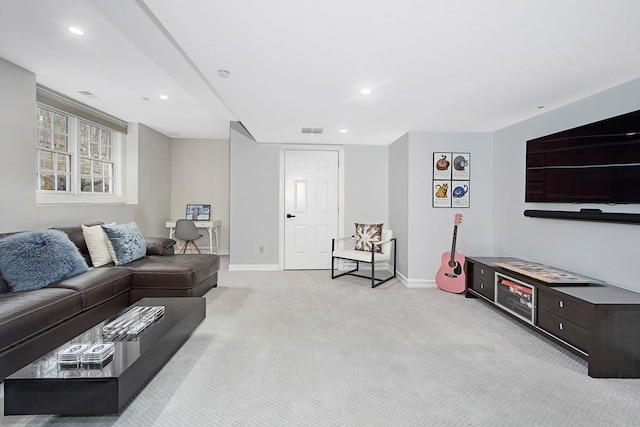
{"type": "Point", "coordinates": [85, 184]}
{"type": "Point", "coordinates": [46, 160]}
{"type": "Point", "coordinates": [61, 142]}
{"type": "Point", "coordinates": [44, 118]}
{"type": "Point", "coordinates": [85, 166]}
{"type": "Point", "coordinates": [108, 185]}
{"type": "Point", "coordinates": [60, 123]}
{"type": "Point", "coordinates": [83, 139]}
{"type": "Point", "coordinates": [46, 181]}
{"type": "Point", "coordinates": [97, 168]}
{"type": "Point", "coordinates": [95, 142]}
{"type": "Point", "coordinates": [63, 163]}
{"type": "Point", "coordinates": [106, 152]}
{"type": "Point", "coordinates": [98, 186]}
{"type": "Point", "coordinates": [105, 145]}
{"type": "Point", "coordinates": [62, 183]}
{"type": "Point", "coordinates": [44, 138]}
{"type": "Point", "coordinates": [108, 170]}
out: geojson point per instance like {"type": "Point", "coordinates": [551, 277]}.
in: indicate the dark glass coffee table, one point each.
{"type": "Point", "coordinates": [47, 387]}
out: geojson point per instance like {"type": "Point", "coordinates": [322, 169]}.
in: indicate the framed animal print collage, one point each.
{"type": "Point", "coordinates": [451, 180]}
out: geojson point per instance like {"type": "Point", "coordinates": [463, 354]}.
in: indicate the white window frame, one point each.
{"type": "Point", "coordinates": [75, 196]}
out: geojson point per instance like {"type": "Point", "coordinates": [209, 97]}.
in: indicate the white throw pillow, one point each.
{"type": "Point", "coordinates": [96, 240]}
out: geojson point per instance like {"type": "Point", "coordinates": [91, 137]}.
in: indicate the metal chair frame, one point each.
{"type": "Point", "coordinates": [375, 281]}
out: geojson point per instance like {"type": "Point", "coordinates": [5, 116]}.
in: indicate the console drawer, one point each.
{"type": "Point", "coordinates": [568, 308]}
{"type": "Point", "coordinates": [485, 288]}
{"type": "Point", "coordinates": [484, 272]}
{"type": "Point", "coordinates": [567, 331]}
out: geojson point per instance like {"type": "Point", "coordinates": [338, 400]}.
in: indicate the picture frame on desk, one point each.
{"type": "Point", "coordinates": [198, 212]}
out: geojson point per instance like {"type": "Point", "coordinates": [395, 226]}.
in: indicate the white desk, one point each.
{"type": "Point", "coordinates": [211, 227]}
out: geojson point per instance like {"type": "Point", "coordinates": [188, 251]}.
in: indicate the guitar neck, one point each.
{"type": "Point", "coordinates": [453, 242]}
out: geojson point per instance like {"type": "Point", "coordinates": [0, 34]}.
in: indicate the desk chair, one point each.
{"type": "Point", "coordinates": [187, 232]}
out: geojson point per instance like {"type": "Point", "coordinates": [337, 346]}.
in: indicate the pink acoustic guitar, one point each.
{"type": "Point", "coordinates": [450, 276]}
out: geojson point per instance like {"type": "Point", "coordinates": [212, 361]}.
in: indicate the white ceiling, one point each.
{"type": "Point", "coordinates": [457, 65]}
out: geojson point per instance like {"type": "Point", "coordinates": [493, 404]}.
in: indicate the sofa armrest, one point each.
{"type": "Point", "coordinates": [159, 245]}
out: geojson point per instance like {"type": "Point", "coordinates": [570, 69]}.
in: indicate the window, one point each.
{"type": "Point", "coordinates": [54, 156]}
{"type": "Point", "coordinates": [78, 161]}
{"type": "Point", "coordinates": [96, 161]}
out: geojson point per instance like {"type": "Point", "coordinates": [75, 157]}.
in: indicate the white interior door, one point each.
{"type": "Point", "coordinates": [310, 207]}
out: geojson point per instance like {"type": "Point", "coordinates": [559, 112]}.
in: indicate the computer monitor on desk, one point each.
{"type": "Point", "coordinates": [198, 212]}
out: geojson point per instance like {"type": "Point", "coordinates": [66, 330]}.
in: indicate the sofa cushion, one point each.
{"type": "Point", "coordinates": [96, 240]}
{"type": "Point", "coordinates": [175, 271]}
{"type": "Point", "coordinates": [33, 259]}
{"type": "Point", "coordinates": [159, 245]}
{"type": "Point", "coordinates": [75, 235]}
{"type": "Point", "coordinates": [25, 314]}
{"type": "Point", "coordinates": [98, 285]}
{"type": "Point", "coordinates": [125, 242]}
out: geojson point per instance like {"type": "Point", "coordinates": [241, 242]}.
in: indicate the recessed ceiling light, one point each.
{"type": "Point", "coordinates": [343, 131]}
{"type": "Point", "coordinates": [164, 97]}
{"type": "Point", "coordinates": [365, 91]}
{"type": "Point", "coordinates": [75, 30]}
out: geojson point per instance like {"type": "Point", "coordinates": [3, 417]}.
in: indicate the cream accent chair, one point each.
{"type": "Point", "coordinates": [342, 248]}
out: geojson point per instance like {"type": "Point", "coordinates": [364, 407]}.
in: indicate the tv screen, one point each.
{"type": "Point", "coordinates": [594, 163]}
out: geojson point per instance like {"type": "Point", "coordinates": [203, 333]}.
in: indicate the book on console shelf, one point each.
{"type": "Point", "coordinates": [547, 274]}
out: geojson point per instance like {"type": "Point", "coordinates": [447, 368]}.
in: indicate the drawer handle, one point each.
{"type": "Point", "coordinates": [561, 326]}
{"type": "Point", "coordinates": [482, 271]}
{"type": "Point", "coordinates": [561, 304]}
{"type": "Point", "coordinates": [481, 285]}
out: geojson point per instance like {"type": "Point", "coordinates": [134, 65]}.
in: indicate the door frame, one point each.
{"type": "Point", "coordinates": [306, 147]}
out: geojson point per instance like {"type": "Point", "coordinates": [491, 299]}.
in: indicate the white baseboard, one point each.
{"type": "Point", "coordinates": [413, 283]}
{"type": "Point", "coordinates": [254, 267]}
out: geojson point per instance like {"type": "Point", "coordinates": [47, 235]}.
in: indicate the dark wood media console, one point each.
{"type": "Point", "coordinates": [597, 321]}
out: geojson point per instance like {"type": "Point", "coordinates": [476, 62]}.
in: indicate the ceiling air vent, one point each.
{"type": "Point", "coordinates": [88, 94]}
{"type": "Point", "coordinates": [312, 130]}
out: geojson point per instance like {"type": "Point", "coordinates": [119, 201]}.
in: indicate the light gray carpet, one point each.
{"type": "Point", "coordinates": [300, 349]}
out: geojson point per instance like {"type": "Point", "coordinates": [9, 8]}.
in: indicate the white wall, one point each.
{"type": "Point", "coordinates": [200, 174]}
{"type": "Point", "coordinates": [602, 250]}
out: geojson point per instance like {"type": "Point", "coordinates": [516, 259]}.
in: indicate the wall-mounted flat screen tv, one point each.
{"type": "Point", "coordinates": [594, 163]}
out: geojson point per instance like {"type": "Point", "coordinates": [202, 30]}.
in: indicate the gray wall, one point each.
{"type": "Point", "coordinates": [366, 186]}
{"type": "Point", "coordinates": [255, 195]}
{"type": "Point", "coordinates": [200, 174]}
{"type": "Point", "coordinates": [154, 181]}
{"type": "Point", "coordinates": [253, 202]}
{"type": "Point", "coordinates": [18, 210]}
{"type": "Point", "coordinates": [602, 250]}
{"type": "Point", "coordinates": [427, 231]}
{"type": "Point", "coordinates": [399, 199]}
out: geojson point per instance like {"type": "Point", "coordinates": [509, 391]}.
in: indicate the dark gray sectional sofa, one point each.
{"type": "Point", "coordinates": [32, 323]}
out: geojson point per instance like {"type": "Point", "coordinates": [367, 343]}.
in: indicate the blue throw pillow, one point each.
{"type": "Point", "coordinates": [34, 259]}
{"type": "Point", "coordinates": [125, 243]}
